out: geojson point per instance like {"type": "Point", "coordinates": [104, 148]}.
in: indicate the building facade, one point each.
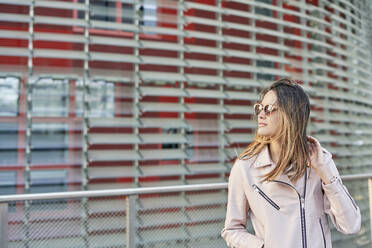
{"type": "Point", "coordinates": [106, 94]}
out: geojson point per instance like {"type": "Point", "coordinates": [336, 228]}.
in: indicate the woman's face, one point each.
{"type": "Point", "coordinates": [268, 124]}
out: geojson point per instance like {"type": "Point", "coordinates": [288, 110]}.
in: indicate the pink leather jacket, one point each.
{"type": "Point", "coordinates": [283, 214]}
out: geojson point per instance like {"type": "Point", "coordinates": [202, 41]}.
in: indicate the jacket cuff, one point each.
{"type": "Point", "coordinates": [333, 186]}
{"type": "Point", "coordinates": [326, 173]}
{"type": "Point", "coordinates": [327, 169]}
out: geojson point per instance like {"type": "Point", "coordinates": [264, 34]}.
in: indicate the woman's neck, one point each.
{"type": "Point", "coordinates": [274, 148]}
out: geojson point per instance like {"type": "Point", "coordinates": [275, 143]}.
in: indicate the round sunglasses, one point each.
{"type": "Point", "coordinates": [268, 109]}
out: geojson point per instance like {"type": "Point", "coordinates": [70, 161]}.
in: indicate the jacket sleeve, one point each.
{"type": "Point", "coordinates": [234, 231]}
{"type": "Point", "coordinates": [338, 203]}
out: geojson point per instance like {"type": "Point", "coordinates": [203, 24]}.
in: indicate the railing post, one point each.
{"type": "Point", "coordinates": [131, 221]}
{"type": "Point", "coordinates": [4, 224]}
{"type": "Point", "coordinates": [370, 203]}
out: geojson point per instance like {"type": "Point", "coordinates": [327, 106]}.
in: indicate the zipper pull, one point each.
{"type": "Point", "coordinates": [255, 187]}
{"type": "Point", "coordinates": [302, 202]}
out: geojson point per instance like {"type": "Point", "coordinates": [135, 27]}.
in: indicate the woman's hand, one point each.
{"type": "Point", "coordinates": [317, 159]}
{"type": "Point", "coordinates": [316, 153]}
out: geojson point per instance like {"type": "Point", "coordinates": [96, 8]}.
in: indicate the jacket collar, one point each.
{"type": "Point", "coordinates": [263, 158]}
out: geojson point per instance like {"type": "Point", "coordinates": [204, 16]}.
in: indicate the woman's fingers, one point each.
{"type": "Point", "coordinates": [312, 140]}
{"type": "Point", "coordinates": [316, 153]}
{"type": "Point", "coordinates": [310, 148]}
{"type": "Point", "coordinates": [314, 143]}
{"type": "Point", "coordinates": [311, 145]}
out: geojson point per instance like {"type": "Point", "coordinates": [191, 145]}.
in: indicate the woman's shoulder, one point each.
{"type": "Point", "coordinates": [242, 169]}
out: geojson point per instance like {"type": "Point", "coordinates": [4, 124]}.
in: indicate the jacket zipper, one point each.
{"type": "Point", "coordinates": [265, 197]}
{"type": "Point", "coordinates": [302, 209]}
{"type": "Point", "coordinates": [324, 240]}
{"type": "Point", "coordinates": [303, 222]}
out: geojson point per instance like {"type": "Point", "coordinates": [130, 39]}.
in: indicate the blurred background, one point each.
{"type": "Point", "coordinates": [113, 94]}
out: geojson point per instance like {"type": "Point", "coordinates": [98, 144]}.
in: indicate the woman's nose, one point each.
{"type": "Point", "coordinates": [261, 115]}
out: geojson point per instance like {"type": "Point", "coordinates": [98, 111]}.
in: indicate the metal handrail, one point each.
{"type": "Point", "coordinates": [112, 192]}
{"type": "Point", "coordinates": [130, 196]}
{"type": "Point", "coordinates": [136, 191]}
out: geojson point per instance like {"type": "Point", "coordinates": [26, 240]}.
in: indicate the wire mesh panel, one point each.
{"type": "Point", "coordinates": [45, 223]}
{"type": "Point", "coordinates": [181, 220]}
{"type": "Point", "coordinates": [178, 219]}
{"type": "Point", "coordinates": [93, 222]}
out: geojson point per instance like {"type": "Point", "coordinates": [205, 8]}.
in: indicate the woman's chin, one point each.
{"type": "Point", "coordinates": [264, 134]}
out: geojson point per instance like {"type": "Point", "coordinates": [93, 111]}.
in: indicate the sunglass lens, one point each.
{"type": "Point", "coordinates": [267, 109]}
{"type": "Point", "coordinates": [257, 109]}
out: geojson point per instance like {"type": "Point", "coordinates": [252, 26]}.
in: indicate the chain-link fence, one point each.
{"type": "Point", "coordinates": [93, 222]}
{"type": "Point", "coordinates": [178, 219]}
{"type": "Point", "coordinates": [181, 218]}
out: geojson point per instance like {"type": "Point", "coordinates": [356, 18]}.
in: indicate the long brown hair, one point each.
{"type": "Point", "coordinates": [294, 112]}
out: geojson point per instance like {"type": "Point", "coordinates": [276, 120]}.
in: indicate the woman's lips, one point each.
{"type": "Point", "coordinates": [262, 124]}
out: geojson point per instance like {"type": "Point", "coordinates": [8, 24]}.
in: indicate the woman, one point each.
{"type": "Point", "coordinates": [285, 181]}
